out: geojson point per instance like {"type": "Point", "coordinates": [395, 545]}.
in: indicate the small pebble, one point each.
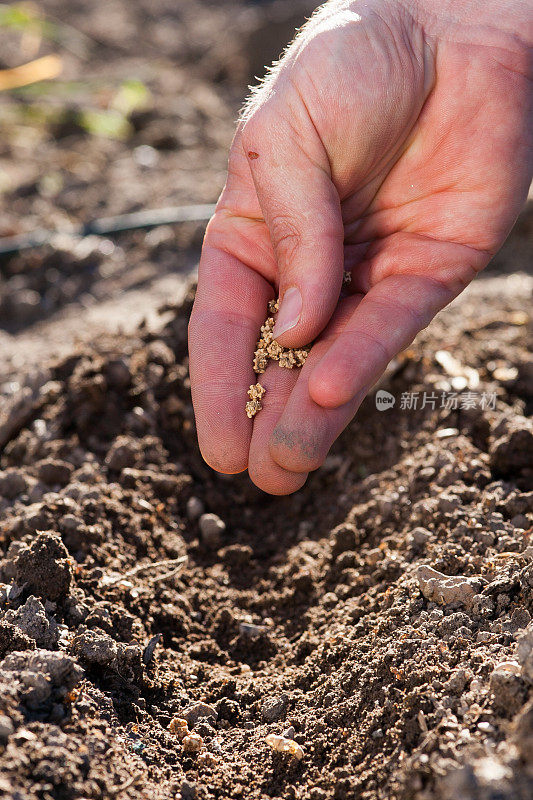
{"type": "Point", "coordinates": [273, 708]}
{"type": "Point", "coordinates": [6, 728]}
{"type": "Point", "coordinates": [420, 536]}
{"type": "Point", "coordinates": [195, 508]}
{"type": "Point", "coordinates": [53, 471]}
{"type": "Point", "coordinates": [12, 483]}
{"type": "Point", "coordinates": [251, 630]}
{"type": "Point", "coordinates": [197, 711]}
{"type": "Point", "coordinates": [188, 790]}
{"type": "Point", "coordinates": [524, 652]}
{"type": "Point", "coordinates": [118, 373]}
{"type": "Point", "coordinates": [206, 759]}
{"type": "Point", "coordinates": [447, 589]}
{"type": "Point", "coordinates": [513, 667]}
{"type": "Point", "coordinates": [211, 529]}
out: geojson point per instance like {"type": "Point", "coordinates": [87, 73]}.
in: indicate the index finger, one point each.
{"type": "Point", "coordinates": [386, 320]}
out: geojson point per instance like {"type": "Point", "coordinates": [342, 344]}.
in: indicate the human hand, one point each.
{"type": "Point", "coordinates": [393, 140]}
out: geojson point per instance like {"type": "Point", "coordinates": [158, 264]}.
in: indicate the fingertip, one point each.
{"type": "Point", "coordinates": [295, 451]}
{"type": "Point", "coordinates": [275, 480]}
{"type": "Point", "coordinates": [299, 328]}
{"type": "Point", "coordinates": [224, 432]}
{"type": "Point", "coordinates": [302, 334]}
{"type": "Point", "coordinates": [266, 473]}
{"type": "Point", "coordinates": [227, 464]}
{"type": "Point", "coordinates": [228, 455]}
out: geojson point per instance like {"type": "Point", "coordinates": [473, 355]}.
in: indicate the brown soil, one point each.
{"type": "Point", "coordinates": [308, 612]}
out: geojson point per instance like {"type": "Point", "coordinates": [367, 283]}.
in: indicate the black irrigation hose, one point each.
{"type": "Point", "coordinates": [109, 225]}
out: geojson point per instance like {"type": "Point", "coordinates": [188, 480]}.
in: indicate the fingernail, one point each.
{"type": "Point", "coordinates": [289, 311]}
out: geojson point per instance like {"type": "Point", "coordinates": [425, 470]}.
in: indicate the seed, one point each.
{"type": "Point", "coordinates": [280, 744]}
{"type": "Point", "coordinates": [255, 393]}
{"type": "Point", "coordinates": [268, 349]}
{"type": "Point", "coordinates": [252, 408]}
{"type": "Point", "coordinates": [274, 350]}
{"type": "Point", "coordinates": [179, 727]}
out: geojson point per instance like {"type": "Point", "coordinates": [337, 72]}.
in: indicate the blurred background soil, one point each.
{"type": "Point", "coordinates": [314, 615]}
{"type": "Point", "coordinates": [141, 117]}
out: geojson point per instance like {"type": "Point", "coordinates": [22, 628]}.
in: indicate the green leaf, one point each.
{"type": "Point", "coordinates": [132, 95]}
{"type": "Point", "coordinates": [109, 124]}
{"type": "Point", "coordinates": [18, 17]}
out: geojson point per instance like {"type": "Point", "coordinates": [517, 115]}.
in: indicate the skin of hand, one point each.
{"type": "Point", "coordinates": [393, 139]}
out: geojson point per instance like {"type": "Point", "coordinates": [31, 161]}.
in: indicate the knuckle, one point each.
{"type": "Point", "coordinates": [286, 235]}
{"type": "Point", "coordinates": [254, 129]}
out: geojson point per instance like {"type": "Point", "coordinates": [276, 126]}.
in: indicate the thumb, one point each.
{"type": "Point", "coordinates": [301, 208]}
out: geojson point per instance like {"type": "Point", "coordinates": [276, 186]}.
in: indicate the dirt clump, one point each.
{"type": "Point", "coordinates": [32, 619]}
{"type": "Point", "coordinates": [446, 590]}
{"type": "Point", "coordinates": [43, 566]}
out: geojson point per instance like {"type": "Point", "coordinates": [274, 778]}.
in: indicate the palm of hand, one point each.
{"type": "Point", "coordinates": [417, 156]}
